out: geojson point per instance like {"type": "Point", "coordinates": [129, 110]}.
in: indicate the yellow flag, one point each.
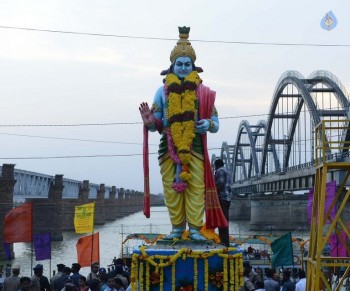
{"type": "Point", "coordinates": [84, 218]}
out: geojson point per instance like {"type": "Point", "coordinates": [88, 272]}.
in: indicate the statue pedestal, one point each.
{"type": "Point", "coordinates": [186, 265]}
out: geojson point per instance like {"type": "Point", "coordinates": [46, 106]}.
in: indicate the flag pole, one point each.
{"type": "Point", "coordinates": [32, 248]}
{"type": "Point", "coordinates": [31, 259]}
{"type": "Point", "coordinates": [292, 250]}
{"type": "Point", "coordinates": [92, 235]}
{"type": "Point", "coordinates": [122, 254]}
{"type": "Point", "coordinates": [50, 255]}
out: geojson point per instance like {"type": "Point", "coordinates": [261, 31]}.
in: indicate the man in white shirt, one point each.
{"type": "Point", "coordinates": [301, 285]}
{"type": "Point", "coordinates": [110, 284]}
{"type": "Point", "coordinates": [12, 283]}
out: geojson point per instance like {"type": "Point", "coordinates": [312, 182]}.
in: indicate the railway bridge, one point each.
{"type": "Point", "coordinates": [303, 144]}
{"type": "Point", "coordinates": [273, 161]}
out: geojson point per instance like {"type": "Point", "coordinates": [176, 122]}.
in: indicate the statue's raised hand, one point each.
{"type": "Point", "coordinates": [146, 114]}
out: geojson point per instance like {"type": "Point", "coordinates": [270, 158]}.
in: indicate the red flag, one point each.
{"type": "Point", "coordinates": [19, 224]}
{"type": "Point", "coordinates": [88, 249]}
{"type": "Point", "coordinates": [146, 199]}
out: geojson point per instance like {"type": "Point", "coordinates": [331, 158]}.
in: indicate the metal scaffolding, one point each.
{"type": "Point", "coordinates": [331, 142]}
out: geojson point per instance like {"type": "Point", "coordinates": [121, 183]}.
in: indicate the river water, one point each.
{"type": "Point", "coordinates": [111, 237]}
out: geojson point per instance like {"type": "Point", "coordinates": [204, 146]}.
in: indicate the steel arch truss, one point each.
{"type": "Point", "coordinates": [247, 154]}
{"type": "Point", "coordinates": [262, 150]}
{"type": "Point", "coordinates": [305, 88]}
{"type": "Point", "coordinates": [227, 154]}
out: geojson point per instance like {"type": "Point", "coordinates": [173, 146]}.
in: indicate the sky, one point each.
{"type": "Point", "coordinates": [91, 85]}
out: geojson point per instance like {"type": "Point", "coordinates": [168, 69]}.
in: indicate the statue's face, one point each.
{"type": "Point", "coordinates": [182, 66]}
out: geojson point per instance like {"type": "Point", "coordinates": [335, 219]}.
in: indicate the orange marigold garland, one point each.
{"type": "Point", "coordinates": [216, 279]}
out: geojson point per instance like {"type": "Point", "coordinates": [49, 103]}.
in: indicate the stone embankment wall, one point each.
{"type": "Point", "coordinates": [55, 214]}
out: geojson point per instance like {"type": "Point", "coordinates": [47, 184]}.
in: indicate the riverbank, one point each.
{"type": "Point", "coordinates": [111, 237]}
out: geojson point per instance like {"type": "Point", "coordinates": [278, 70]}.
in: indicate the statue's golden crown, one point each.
{"type": "Point", "coordinates": [183, 47]}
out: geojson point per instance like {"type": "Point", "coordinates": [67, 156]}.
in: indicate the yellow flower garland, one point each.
{"type": "Point", "coordinates": [206, 274]}
{"type": "Point", "coordinates": [239, 267]}
{"type": "Point", "coordinates": [235, 268]}
{"type": "Point", "coordinates": [161, 280]}
{"type": "Point", "coordinates": [232, 277]}
{"type": "Point", "coordinates": [195, 276]}
{"type": "Point", "coordinates": [225, 274]}
{"type": "Point", "coordinates": [141, 275]}
{"type": "Point", "coordinates": [134, 273]}
{"type": "Point", "coordinates": [173, 277]}
{"type": "Point", "coordinates": [172, 79]}
{"type": "Point", "coordinates": [147, 277]}
{"type": "Point", "coordinates": [182, 131]}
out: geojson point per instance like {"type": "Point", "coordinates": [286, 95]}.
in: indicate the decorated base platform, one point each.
{"type": "Point", "coordinates": [187, 266]}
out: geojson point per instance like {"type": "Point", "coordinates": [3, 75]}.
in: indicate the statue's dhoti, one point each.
{"type": "Point", "coordinates": [188, 205]}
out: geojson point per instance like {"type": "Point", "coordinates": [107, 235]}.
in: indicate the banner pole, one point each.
{"type": "Point", "coordinates": [32, 246]}
{"type": "Point", "coordinates": [92, 235]}
{"type": "Point", "coordinates": [50, 253]}
{"type": "Point", "coordinates": [31, 260]}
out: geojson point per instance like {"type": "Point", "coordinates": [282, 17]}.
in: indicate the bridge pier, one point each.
{"type": "Point", "coordinates": [7, 184]}
{"type": "Point", "coordinates": [240, 208]}
{"type": "Point", "coordinates": [47, 212]}
{"type": "Point", "coordinates": [111, 210]}
{"type": "Point", "coordinates": [283, 212]}
{"type": "Point", "coordinates": [68, 206]}
{"type": "Point", "coordinates": [100, 206]}
{"type": "Point", "coordinates": [135, 202]}
{"type": "Point", "coordinates": [120, 203]}
{"type": "Point", "coordinates": [127, 202]}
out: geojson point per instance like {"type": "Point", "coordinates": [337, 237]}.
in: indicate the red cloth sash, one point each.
{"type": "Point", "coordinates": [146, 191]}
{"type": "Point", "coordinates": [214, 215]}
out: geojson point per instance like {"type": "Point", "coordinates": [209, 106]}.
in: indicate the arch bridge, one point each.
{"type": "Point", "coordinates": [276, 156]}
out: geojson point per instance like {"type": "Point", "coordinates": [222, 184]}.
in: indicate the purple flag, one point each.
{"type": "Point", "coordinates": [330, 194]}
{"type": "Point", "coordinates": [42, 246]}
{"type": "Point", "coordinates": [337, 247]}
{"type": "Point", "coordinates": [7, 251]}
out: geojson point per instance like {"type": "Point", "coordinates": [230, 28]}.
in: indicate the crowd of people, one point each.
{"type": "Point", "coordinates": [115, 278]}
{"type": "Point", "coordinates": [254, 281]}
